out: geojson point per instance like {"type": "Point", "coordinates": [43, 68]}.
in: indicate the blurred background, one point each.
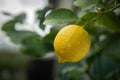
{"type": "Point", "coordinates": [26, 50]}
{"type": "Point", "coordinates": [26, 44]}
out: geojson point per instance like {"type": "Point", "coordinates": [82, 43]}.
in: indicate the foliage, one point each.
{"type": "Point", "coordinates": [60, 16]}
{"type": "Point", "coordinates": [31, 43]}
{"type": "Point", "coordinates": [101, 20]}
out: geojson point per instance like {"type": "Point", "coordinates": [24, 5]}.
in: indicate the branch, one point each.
{"type": "Point", "coordinates": [109, 10]}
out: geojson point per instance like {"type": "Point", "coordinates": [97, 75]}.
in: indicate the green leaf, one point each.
{"type": "Point", "coordinates": [20, 18]}
{"type": "Point", "coordinates": [85, 4]}
{"type": "Point", "coordinates": [110, 21]}
{"type": "Point", "coordinates": [100, 4]}
{"type": "Point", "coordinates": [6, 13]}
{"type": "Point", "coordinates": [60, 16]}
{"type": "Point", "coordinates": [15, 36]}
{"type": "Point", "coordinates": [50, 37]}
{"type": "Point", "coordinates": [112, 48]}
{"type": "Point", "coordinates": [18, 36]}
{"type": "Point", "coordinates": [103, 68]}
{"type": "Point", "coordinates": [88, 22]}
{"type": "Point", "coordinates": [35, 46]}
{"type": "Point", "coordinates": [9, 26]}
{"type": "Point", "coordinates": [40, 15]}
{"type": "Point", "coordinates": [87, 18]}
{"type": "Point", "coordinates": [72, 71]}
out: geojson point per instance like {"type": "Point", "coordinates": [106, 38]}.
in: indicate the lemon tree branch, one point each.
{"type": "Point", "coordinates": [100, 13]}
{"type": "Point", "coordinates": [109, 10]}
{"type": "Point", "coordinates": [93, 19]}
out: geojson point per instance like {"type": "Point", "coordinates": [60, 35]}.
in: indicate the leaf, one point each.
{"type": "Point", "coordinates": [6, 13]}
{"type": "Point", "coordinates": [50, 37]}
{"type": "Point", "coordinates": [87, 18]}
{"type": "Point", "coordinates": [112, 48]}
{"type": "Point", "coordinates": [18, 36]}
{"type": "Point", "coordinates": [103, 68]}
{"type": "Point", "coordinates": [60, 16]}
{"type": "Point", "coordinates": [88, 22]}
{"type": "Point", "coordinates": [85, 4]}
{"type": "Point", "coordinates": [110, 21]}
{"type": "Point", "coordinates": [9, 26]}
{"type": "Point", "coordinates": [40, 14]}
{"type": "Point", "coordinates": [31, 43]}
{"type": "Point", "coordinates": [20, 18]}
{"type": "Point", "coordinates": [100, 4]}
{"type": "Point", "coordinates": [72, 71]}
{"type": "Point", "coordinates": [35, 46]}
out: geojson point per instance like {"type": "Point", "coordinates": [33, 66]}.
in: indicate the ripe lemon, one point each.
{"type": "Point", "coordinates": [72, 43]}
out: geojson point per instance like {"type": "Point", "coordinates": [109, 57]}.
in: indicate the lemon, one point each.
{"type": "Point", "coordinates": [71, 43]}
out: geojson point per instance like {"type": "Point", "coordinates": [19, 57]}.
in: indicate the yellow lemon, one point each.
{"type": "Point", "coordinates": [72, 43]}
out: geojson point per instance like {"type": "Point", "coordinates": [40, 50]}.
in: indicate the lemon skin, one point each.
{"type": "Point", "coordinates": [71, 43]}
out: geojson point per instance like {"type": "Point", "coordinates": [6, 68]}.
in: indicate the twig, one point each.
{"type": "Point", "coordinates": [109, 10]}
{"type": "Point", "coordinates": [92, 20]}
